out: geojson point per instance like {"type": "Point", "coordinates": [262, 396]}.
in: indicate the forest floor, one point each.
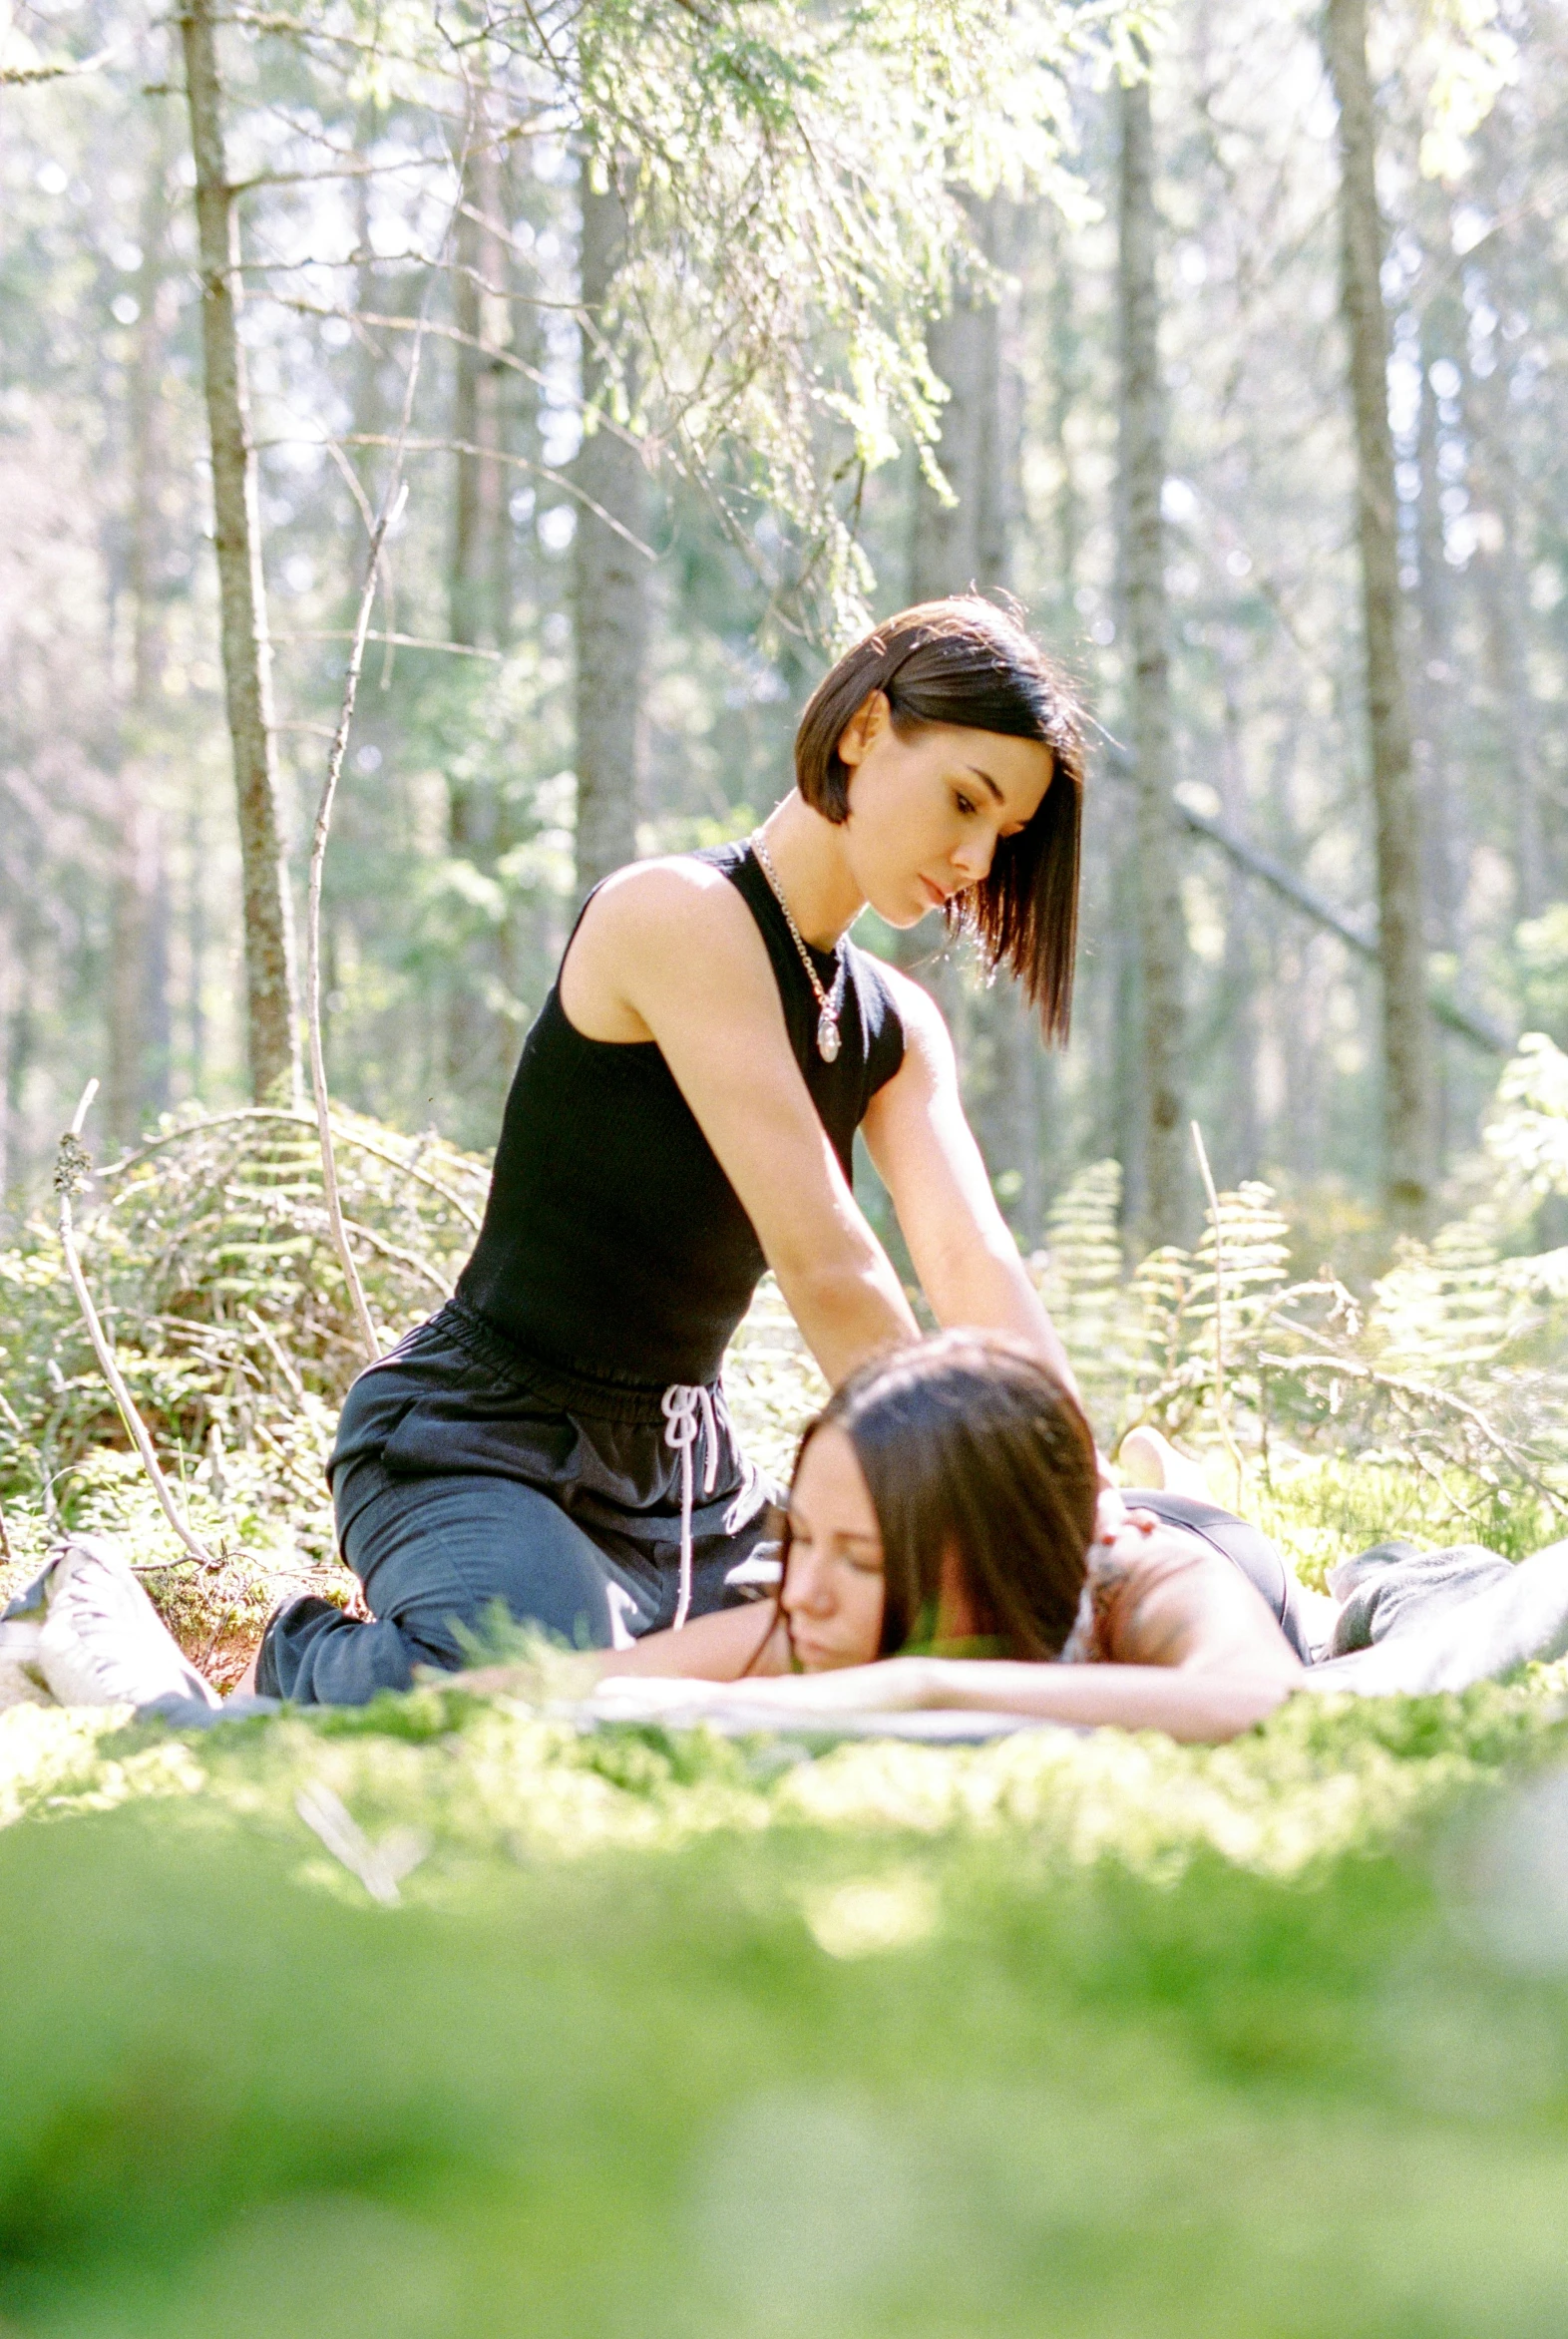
{"type": "Point", "coordinates": [442, 2018]}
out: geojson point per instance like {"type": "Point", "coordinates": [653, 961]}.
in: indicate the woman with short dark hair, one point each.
{"type": "Point", "coordinates": [553, 1445]}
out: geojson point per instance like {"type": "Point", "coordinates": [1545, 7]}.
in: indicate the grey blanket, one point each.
{"type": "Point", "coordinates": [1415, 1622]}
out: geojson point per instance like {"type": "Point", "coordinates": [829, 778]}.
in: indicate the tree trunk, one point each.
{"type": "Point", "coordinates": [1064, 340]}
{"type": "Point", "coordinates": [1434, 707]}
{"type": "Point", "coordinates": [958, 548]}
{"type": "Point", "coordinates": [1504, 594]}
{"type": "Point", "coordinates": [137, 1065]}
{"type": "Point", "coordinates": [608, 577]}
{"type": "Point", "coordinates": [476, 504]}
{"type": "Point", "coordinates": [1434, 698]}
{"type": "Point", "coordinates": [1238, 975]}
{"type": "Point", "coordinates": [1406, 1041]}
{"type": "Point", "coordinates": [1161, 927]}
{"type": "Point", "coordinates": [962, 547]}
{"type": "Point", "coordinates": [271, 994]}
{"type": "Point", "coordinates": [477, 1039]}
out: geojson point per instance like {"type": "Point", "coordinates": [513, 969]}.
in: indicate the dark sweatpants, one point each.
{"type": "Point", "coordinates": [465, 1480]}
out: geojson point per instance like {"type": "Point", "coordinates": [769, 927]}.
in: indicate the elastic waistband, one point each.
{"type": "Point", "coordinates": [575, 1390]}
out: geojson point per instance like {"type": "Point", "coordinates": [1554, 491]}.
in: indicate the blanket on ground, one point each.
{"type": "Point", "coordinates": [1414, 1623]}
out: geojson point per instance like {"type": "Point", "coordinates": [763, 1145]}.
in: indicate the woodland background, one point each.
{"type": "Point", "coordinates": [1229, 339]}
{"type": "Point", "coordinates": [1139, 393]}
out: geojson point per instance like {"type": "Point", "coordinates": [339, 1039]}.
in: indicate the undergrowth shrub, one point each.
{"type": "Point", "coordinates": [1434, 1404]}
{"type": "Point", "coordinates": [211, 1259]}
{"type": "Point", "coordinates": [1431, 1404]}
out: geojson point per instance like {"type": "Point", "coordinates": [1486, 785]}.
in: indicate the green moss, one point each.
{"type": "Point", "coordinates": [1076, 2034]}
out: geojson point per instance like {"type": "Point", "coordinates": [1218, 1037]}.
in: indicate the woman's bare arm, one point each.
{"type": "Point", "coordinates": [1200, 1706]}
{"type": "Point", "coordinates": [1189, 1648]}
{"type": "Point", "coordinates": [723, 1647]}
{"type": "Point", "coordinates": [927, 1157]}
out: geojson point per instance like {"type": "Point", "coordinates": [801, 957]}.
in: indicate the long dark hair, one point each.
{"type": "Point", "coordinates": [969, 1444]}
{"type": "Point", "coordinates": [968, 663]}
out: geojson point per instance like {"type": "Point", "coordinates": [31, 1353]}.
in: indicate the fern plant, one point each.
{"type": "Point", "coordinates": [1081, 1275]}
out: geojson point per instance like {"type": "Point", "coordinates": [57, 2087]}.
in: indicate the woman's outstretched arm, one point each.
{"type": "Point", "coordinates": [732, 1642]}
{"type": "Point", "coordinates": [1196, 1706]}
{"type": "Point", "coordinates": [927, 1157]}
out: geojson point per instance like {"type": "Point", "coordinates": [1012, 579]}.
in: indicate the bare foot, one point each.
{"type": "Point", "coordinates": [1148, 1459]}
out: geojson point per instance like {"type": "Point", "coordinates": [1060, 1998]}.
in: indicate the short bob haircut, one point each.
{"type": "Point", "coordinates": [970, 1446]}
{"type": "Point", "coordinates": [971, 664]}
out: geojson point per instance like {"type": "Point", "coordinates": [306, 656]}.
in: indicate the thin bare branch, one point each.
{"type": "Point", "coordinates": [390, 512]}
{"type": "Point", "coordinates": [298, 1120]}
{"type": "Point", "coordinates": [73, 1166]}
{"type": "Point", "coordinates": [16, 77]}
{"type": "Point", "coordinates": [495, 455]}
{"type": "Point", "coordinates": [456, 649]}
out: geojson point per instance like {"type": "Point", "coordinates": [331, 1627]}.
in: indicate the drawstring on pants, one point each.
{"type": "Point", "coordinates": [687, 1406]}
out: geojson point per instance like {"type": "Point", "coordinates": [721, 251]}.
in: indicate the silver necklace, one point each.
{"type": "Point", "coordinates": [830, 1002]}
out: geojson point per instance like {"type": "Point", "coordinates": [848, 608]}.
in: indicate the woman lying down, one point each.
{"type": "Point", "coordinates": [938, 1551]}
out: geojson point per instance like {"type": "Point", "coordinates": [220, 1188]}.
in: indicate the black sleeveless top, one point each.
{"type": "Point", "coordinates": [613, 1243]}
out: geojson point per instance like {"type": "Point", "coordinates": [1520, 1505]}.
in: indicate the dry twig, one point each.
{"type": "Point", "coordinates": [71, 1168]}
{"type": "Point", "coordinates": [390, 512]}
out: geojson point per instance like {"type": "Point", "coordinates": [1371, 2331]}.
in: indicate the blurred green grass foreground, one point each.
{"type": "Point", "coordinates": [443, 2020]}
{"type": "Point", "coordinates": [675, 2036]}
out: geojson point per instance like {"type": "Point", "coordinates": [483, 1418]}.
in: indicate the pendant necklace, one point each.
{"type": "Point", "coordinates": [830, 1002]}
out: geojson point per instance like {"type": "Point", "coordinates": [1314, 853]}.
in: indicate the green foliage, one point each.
{"type": "Point", "coordinates": [1094, 2034]}
{"type": "Point", "coordinates": [794, 180]}
{"type": "Point", "coordinates": [212, 1264]}
{"type": "Point", "coordinates": [1442, 1384]}
{"type": "Point", "coordinates": [444, 2015]}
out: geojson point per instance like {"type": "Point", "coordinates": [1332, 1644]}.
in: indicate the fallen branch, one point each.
{"type": "Point", "coordinates": [73, 1166]}
{"type": "Point", "coordinates": [1415, 1393]}
{"type": "Point", "coordinates": [401, 1258]}
{"type": "Point", "coordinates": [299, 1120]}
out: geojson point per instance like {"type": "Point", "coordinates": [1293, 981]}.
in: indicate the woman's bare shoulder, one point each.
{"type": "Point", "coordinates": [1169, 1598]}
{"type": "Point", "coordinates": [675, 890]}
{"type": "Point", "coordinates": [652, 926]}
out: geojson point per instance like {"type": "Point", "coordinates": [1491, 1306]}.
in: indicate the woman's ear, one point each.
{"type": "Point", "coordinates": [863, 728]}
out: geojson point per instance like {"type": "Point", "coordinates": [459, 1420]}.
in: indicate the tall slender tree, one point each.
{"type": "Point", "coordinates": [271, 1020]}
{"type": "Point", "coordinates": [609, 573]}
{"type": "Point", "coordinates": [138, 1004]}
{"type": "Point", "coordinates": [1161, 927]}
{"type": "Point", "coordinates": [960, 545]}
{"type": "Point", "coordinates": [1408, 1114]}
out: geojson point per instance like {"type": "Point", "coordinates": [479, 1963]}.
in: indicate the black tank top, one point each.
{"type": "Point", "coordinates": [613, 1243]}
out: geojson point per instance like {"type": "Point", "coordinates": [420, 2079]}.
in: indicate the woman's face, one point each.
{"type": "Point", "coordinates": [833, 1587]}
{"type": "Point", "coordinates": [926, 814]}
